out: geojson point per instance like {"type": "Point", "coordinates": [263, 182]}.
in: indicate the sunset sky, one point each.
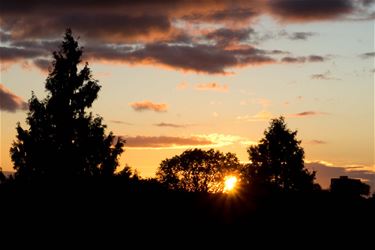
{"type": "Point", "coordinates": [183, 74]}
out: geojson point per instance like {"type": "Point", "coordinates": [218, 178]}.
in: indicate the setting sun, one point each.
{"type": "Point", "coordinates": [230, 183]}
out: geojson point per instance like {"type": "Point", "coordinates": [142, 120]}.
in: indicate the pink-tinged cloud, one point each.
{"type": "Point", "coordinates": [307, 114]}
{"type": "Point", "coordinates": [165, 142]}
{"type": "Point", "coordinates": [212, 86]}
{"type": "Point", "coordinates": [258, 117]}
{"type": "Point", "coordinates": [9, 101]}
{"type": "Point", "coordinates": [148, 105]}
{"type": "Point", "coordinates": [182, 86]}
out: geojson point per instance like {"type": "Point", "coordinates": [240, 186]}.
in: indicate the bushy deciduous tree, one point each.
{"type": "Point", "coordinates": [197, 170]}
{"type": "Point", "coordinates": [64, 139]}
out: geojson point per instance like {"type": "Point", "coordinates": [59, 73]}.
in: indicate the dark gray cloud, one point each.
{"type": "Point", "coordinates": [303, 59]}
{"type": "Point", "coordinates": [367, 55]}
{"type": "Point", "coordinates": [310, 10]}
{"type": "Point", "coordinates": [301, 35]}
{"type": "Point", "coordinates": [9, 101]}
{"type": "Point", "coordinates": [155, 31]}
{"type": "Point", "coordinates": [325, 172]}
{"type": "Point", "coordinates": [224, 36]}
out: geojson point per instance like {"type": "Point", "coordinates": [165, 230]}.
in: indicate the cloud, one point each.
{"type": "Point", "coordinates": [295, 35]}
{"type": "Point", "coordinates": [212, 86]}
{"type": "Point", "coordinates": [154, 32]}
{"type": "Point", "coordinates": [182, 85]}
{"type": "Point", "coordinates": [9, 101]}
{"type": "Point", "coordinates": [324, 76]}
{"type": "Point", "coordinates": [301, 35]}
{"type": "Point", "coordinates": [198, 57]}
{"type": "Point", "coordinates": [367, 55]}
{"type": "Point", "coordinates": [147, 105]}
{"type": "Point", "coordinates": [327, 171]}
{"type": "Point", "coordinates": [171, 125]}
{"type": "Point", "coordinates": [224, 36]}
{"type": "Point", "coordinates": [258, 117]}
{"type": "Point", "coordinates": [303, 59]}
{"type": "Point", "coordinates": [311, 10]}
{"type": "Point", "coordinates": [307, 113]}
{"type": "Point", "coordinates": [121, 122]}
{"type": "Point", "coordinates": [164, 142]}
{"type": "Point", "coordinates": [174, 142]}
{"type": "Point", "coordinates": [315, 142]}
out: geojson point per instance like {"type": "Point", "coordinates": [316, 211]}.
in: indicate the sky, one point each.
{"type": "Point", "coordinates": [210, 74]}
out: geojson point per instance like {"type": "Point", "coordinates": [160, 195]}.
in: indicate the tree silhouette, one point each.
{"type": "Point", "coordinates": [63, 139]}
{"type": "Point", "coordinates": [196, 170]}
{"type": "Point", "coordinates": [278, 160]}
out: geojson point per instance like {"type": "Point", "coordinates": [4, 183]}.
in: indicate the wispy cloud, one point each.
{"type": "Point", "coordinates": [148, 105]}
{"type": "Point", "coordinates": [211, 87]}
{"type": "Point", "coordinates": [367, 55]}
{"type": "Point", "coordinates": [9, 101]}
{"type": "Point", "coordinates": [324, 76]}
{"type": "Point", "coordinates": [121, 122]}
{"type": "Point", "coordinates": [308, 113]}
{"type": "Point", "coordinates": [258, 117]}
{"type": "Point", "coordinates": [174, 142]}
{"type": "Point", "coordinates": [315, 142]}
{"type": "Point", "coordinates": [182, 85]}
{"type": "Point", "coordinates": [171, 125]}
{"type": "Point", "coordinates": [304, 59]}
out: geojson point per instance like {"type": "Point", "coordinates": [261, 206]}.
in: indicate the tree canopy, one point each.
{"type": "Point", "coordinates": [63, 138]}
{"type": "Point", "coordinates": [278, 160]}
{"type": "Point", "coordinates": [197, 170]}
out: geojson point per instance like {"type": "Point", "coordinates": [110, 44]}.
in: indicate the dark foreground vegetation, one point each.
{"type": "Point", "coordinates": [65, 179]}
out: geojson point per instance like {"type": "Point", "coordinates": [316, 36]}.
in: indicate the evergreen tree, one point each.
{"type": "Point", "coordinates": [64, 139]}
{"type": "Point", "coordinates": [278, 160]}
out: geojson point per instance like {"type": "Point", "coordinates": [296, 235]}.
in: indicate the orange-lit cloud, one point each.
{"type": "Point", "coordinates": [9, 101]}
{"type": "Point", "coordinates": [148, 105]}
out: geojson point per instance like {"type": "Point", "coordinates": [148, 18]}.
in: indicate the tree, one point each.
{"type": "Point", "coordinates": [196, 170]}
{"type": "Point", "coordinates": [63, 139]}
{"type": "Point", "coordinates": [278, 160]}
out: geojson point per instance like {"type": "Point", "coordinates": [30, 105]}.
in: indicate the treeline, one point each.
{"type": "Point", "coordinates": [66, 163]}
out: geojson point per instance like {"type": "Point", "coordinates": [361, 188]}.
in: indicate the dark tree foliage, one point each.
{"type": "Point", "coordinates": [278, 160]}
{"type": "Point", "coordinates": [197, 170]}
{"type": "Point", "coordinates": [64, 139]}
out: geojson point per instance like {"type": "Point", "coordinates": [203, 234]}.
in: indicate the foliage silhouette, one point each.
{"type": "Point", "coordinates": [63, 139]}
{"type": "Point", "coordinates": [278, 160]}
{"type": "Point", "coordinates": [197, 170]}
{"type": "Point", "coordinates": [348, 186]}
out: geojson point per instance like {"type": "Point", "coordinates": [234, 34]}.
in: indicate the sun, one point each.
{"type": "Point", "coordinates": [230, 183]}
